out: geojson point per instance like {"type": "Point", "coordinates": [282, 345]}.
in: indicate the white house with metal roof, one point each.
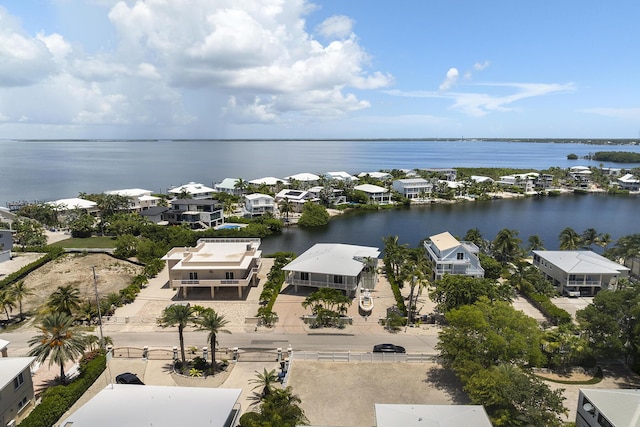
{"type": "Point", "coordinates": [196, 190]}
{"type": "Point", "coordinates": [257, 204]}
{"type": "Point", "coordinates": [608, 408]}
{"type": "Point", "coordinates": [139, 199]}
{"type": "Point", "coordinates": [334, 265]}
{"type": "Point", "coordinates": [269, 181]}
{"type": "Point", "coordinates": [393, 415]}
{"type": "Point", "coordinates": [65, 206]}
{"type": "Point", "coordinates": [629, 182]}
{"type": "Point", "coordinates": [307, 179]}
{"type": "Point", "coordinates": [375, 193]}
{"type": "Point", "coordinates": [216, 266]}
{"type": "Point", "coordinates": [228, 185]}
{"type": "Point", "coordinates": [413, 188]}
{"type": "Point", "coordinates": [450, 256]}
{"type": "Point", "coordinates": [16, 387]}
{"type": "Point", "coordinates": [340, 176]}
{"type": "Point", "coordinates": [125, 405]}
{"type": "Point", "coordinates": [579, 271]}
{"type": "Point", "coordinates": [297, 198]}
{"type": "Point", "coordinates": [375, 175]}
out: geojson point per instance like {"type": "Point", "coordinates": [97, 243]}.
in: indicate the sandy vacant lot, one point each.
{"type": "Point", "coordinates": [76, 269]}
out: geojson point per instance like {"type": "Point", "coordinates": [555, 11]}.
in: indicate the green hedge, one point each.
{"type": "Point", "coordinates": [272, 287]}
{"type": "Point", "coordinates": [52, 253]}
{"type": "Point", "coordinates": [556, 315]}
{"type": "Point", "coordinates": [58, 399]}
{"type": "Point", "coordinates": [395, 288]}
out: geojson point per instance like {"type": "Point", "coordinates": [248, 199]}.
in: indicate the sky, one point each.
{"type": "Point", "coordinates": [323, 69]}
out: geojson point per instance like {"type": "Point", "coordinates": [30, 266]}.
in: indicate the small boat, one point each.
{"type": "Point", "coordinates": [366, 301]}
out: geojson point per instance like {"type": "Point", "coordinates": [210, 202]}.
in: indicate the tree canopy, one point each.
{"type": "Point", "coordinates": [313, 215]}
{"type": "Point", "coordinates": [454, 291]}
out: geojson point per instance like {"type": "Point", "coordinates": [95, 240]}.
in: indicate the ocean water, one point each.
{"type": "Point", "coordinates": [49, 170]}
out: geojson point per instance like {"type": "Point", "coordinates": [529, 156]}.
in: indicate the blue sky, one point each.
{"type": "Point", "coordinates": [322, 69]}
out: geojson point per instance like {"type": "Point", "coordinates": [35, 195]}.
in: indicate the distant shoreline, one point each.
{"type": "Point", "coordinates": [586, 141]}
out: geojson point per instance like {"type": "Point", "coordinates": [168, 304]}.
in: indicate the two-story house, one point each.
{"type": "Point", "coordinates": [139, 199]}
{"type": "Point", "coordinates": [579, 272]}
{"type": "Point", "coordinates": [629, 182]}
{"type": "Point", "coordinates": [215, 266]}
{"type": "Point", "coordinates": [195, 190]}
{"type": "Point", "coordinates": [258, 204]}
{"type": "Point", "coordinates": [196, 213]}
{"type": "Point", "coordinates": [16, 388]}
{"type": "Point", "coordinates": [413, 188]}
{"type": "Point", "coordinates": [376, 194]}
{"type": "Point", "coordinates": [450, 256]}
{"type": "Point", "coordinates": [6, 245]}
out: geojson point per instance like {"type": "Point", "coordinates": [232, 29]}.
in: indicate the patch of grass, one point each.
{"type": "Point", "coordinates": [89, 242]}
{"type": "Point", "coordinates": [595, 380]}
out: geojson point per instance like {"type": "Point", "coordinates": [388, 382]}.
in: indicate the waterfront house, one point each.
{"type": "Point", "coordinates": [582, 175]}
{"type": "Point", "coordinates": [271, 182]}
{"type": "Point", "coordinates": [524, 181]}
{"type": "Point", "coordinates": [376, 194]}
{"type": "Point", "coordinates": [297, 198]}
{"type": "Point", "coordinates": [413, 188]}
{"type": "Point", "coordinates": [196, 213]}
{"type": "Point", "coordinates": [306, 180]}
{"type": "Point", "coordinates": [66, 208]}
{"type": "Point", "coordinates": [450, 256]}
{"type": "Point", "coordinates": [384, 176]}
{"type": "Point", "coordinates": [412, 415]}
{"type": "Point", "coordinates": [162, 406]}
{"type": "Point", "coordinates": [228, 185]}
{"type": "Point", "coordinates": [333, 196]}
{"type": "Point", "coordinates": [139, 199]}
{"type": "Point", "coordinates": [195, 190]}
{"type": "Point", "coordinates": [213, 267]}
{"type": "Point", "coordinates": [583, 272]}
{"type": "Point", "coordinates": [629, 182]}
{"type": "Point", "coordinates": [155, 214]}
{"type": "Point", "coordinates": [611, 171]}
{"type": "Point", "coordinates": [16, 388]}
{"type": "Point", "coordinates": [480, 179]}
{"type": "Point", "coordinates": [258, 204]}
{"type": "Point", "coordinates": [334, 265]}
{"type": "Point", "coordinates": [608, 408]}
{"type": "Point", "coordinates": [6, 245]}
{"type": "Point", "coordinates": [340, 176]}
{"type": "Point", "coordinates": [446, 174]}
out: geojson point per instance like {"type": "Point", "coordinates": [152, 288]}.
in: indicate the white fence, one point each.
{"type": "Point", "coordinates": [363, 357]}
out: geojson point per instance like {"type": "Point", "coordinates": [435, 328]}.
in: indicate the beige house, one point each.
{"type": "Point", "coordinates": [219, 267]}
{"type": "Point", "coordinates": [16, 388]}
{"type": "Point", "coordinates": [450, 256]}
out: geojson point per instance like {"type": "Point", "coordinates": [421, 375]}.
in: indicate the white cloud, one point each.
{"type": "Point", "coordinates": [481, 104]}
{"type": "Point", "coordinates": [337, 26]}
{"type": "Point", "coordinates": [618, 113]}
{"type": "Point", "coordinates": [450, 80]}
{"type": "Point", "coordinates": [479, 66]}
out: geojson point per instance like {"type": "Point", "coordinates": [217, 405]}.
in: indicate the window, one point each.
{"type": "Point", "coordinates": [603, 421]}
{"type": "Point", "coordinates": [22, 403]}
{"type": "Point", "coordinates": [460, 255]}
{"type": "Point", "coordinates": [304, 276]}
{"type": "Point", "coordinates": [193, 276]}
{"type": "Point", "coordinates": [229, 275]}
{"type": "Point", "coordinates": [18, 381]}
{"type": "Point", "coordinates": [337, 279]}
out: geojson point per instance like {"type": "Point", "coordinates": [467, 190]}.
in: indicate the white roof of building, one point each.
{"type": "Point", "coordinates": [629, 178]}
{"type": "Point", "coordinates": [291, 194]}
{"type": "Point", "coordinates": [212, 254]}
{"type": "Point", "coordinates": [256, 196]}
{"type": "Point", "coordinates": [444, 241]}
{"type": "Point", "coordinates": [4, 344]}
{"type": "Point", "coordinates": [333, 258]}
{"type": "Point", "coordinates": [267, 180]}
{"type": "Point", "coordinates": [73, 203]}
{"type": "Point", "coordinates": [578, 168]}
{"type": "Point", "coordinates": [413, 181]}
{"type": "Point", "coordinates": [10, 367]}
{"type": "Point", "coordinates": [581, 262]}
{"type": "Point", "coordinates": [377, 175]}
{"type": "Point", "coordinates": [191, 188]}
{"type": "Point", "coordinates": [158, 406]}
{"type": "Point", "coordinates": [370, 188]}
{"type": "Point", "coordinates": [480, 178]}
{"type": "Point", "coordinates": [341, 176]}
{"type": "Point", "coordinates": [620, 406]}
{"type": "Point", "coordinates": [129, 192]}
{"type": "Point", "coordinates": [305, 176]}
{"type": "Point", "coordinates": [389, 415]}
{"type": "Point", "coordinates": [146, 198]}
{"type": "Point", "coordinates": [227, 183]}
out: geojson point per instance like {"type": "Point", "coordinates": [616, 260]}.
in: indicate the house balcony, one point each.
{"type": "Point", "coordinates": [347, 287]}
{"type": "Point", "coordinates": [583, 283]}
{"type": "Point", "coordinates": [210, 283]}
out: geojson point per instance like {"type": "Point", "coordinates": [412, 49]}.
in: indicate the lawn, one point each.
{"type": "Point", "coordinates": [89, 242]}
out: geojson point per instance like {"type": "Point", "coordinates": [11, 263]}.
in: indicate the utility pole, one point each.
{"type": "Point", "coordinates": [95, 287]}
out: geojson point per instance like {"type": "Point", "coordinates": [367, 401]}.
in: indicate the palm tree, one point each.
{"type": "Point", "coordinates": [506, 246]}
{"type": "Point", "coordinates": [285, 207]}
{"type": "Point", "coordinates": [213, 323]}
{"type": "Point", "coordinates": [569, 240]}
{"type": "Point", "coordinates": [535, 243]}
{"type": "Point", "coordinates": [19, 291]}
{"type": "Point", "coordinates": [7, 302]}
{"type": "Point", "coordinates": [604, 240]}
{"type": "Point", "coordinates": [58, 341]}
{"type": "Point", "coordinates": [589, 237]}
{"type": "Point", "coordinates": [265, 381]}
{"type": "Point", "coordinates": [65, 299]}
{"type": "Point", "coordinates": [241, 185]}
{"type": "Point", "coordinates": [180, 315]}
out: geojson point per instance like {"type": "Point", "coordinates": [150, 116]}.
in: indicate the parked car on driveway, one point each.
{"type": "Point", "coordinates": [128, 378]}
{"type": "Point", "coordinates": [388, 348]}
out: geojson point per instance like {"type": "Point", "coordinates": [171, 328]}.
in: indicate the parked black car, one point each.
{"type": "Point", "coordinates": [128, 378]}
{"type": "Point", "coordinates": [388, 348]}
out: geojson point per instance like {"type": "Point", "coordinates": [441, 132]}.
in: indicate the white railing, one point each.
{"type": "Point", "coordinates": [363, 357]}
{"type": "Point", "coordinates": [319, 284]}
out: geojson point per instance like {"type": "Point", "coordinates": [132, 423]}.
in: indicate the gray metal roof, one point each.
{"type": "Point", "coordinates": [158, 406]}
{"type": "Point", "coordinates": [10, 367]}
{"type": "Point", "coordinates": [581, 262]}
{"type": "Point", "coordinates": [333, 258]}
{"type": "Point", "coordinates": [388, 415]}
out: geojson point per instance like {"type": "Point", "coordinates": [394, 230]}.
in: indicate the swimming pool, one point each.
{"type": "Point", "coordinates": [228, 227]}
